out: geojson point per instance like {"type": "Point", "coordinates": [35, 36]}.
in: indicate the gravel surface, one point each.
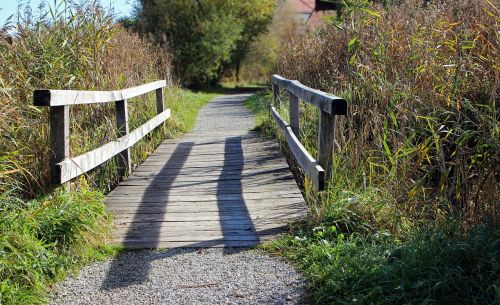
{"type": "Point", "coordinates": [225, 113]}
{"type": "Point", "coordinates": [185, 276]}
{"type": "Point", "coordinates": [188, 275]}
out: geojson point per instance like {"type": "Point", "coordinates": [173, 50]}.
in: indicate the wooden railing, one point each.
{"type": "Point", "coordinates": [63, 168]}
{"type": "Point", "coordinates": [319, 172]}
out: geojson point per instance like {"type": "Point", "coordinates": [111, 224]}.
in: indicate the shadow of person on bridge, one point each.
{"type": "Point", "coordinates": [232, 226]}
{"type": "Point", "coordinates": [147, 221]}
{"type": "Point", "coordinates": [236, 223]}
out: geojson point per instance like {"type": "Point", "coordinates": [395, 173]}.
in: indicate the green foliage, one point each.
{"type": "Point", "coordinates": [205, 36]}
{"type": "Point", "coordinates": [44, 239]}
{"type": "Point", "coordinates": [433, 267]}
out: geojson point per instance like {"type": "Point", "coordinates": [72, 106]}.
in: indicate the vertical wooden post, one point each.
{"type": "Point", "coordinates": [160, 106]}
{"type": "Point", "coordinates": [276, 94]}
{"type": "Point", "coordinates": [294, 115]}
{"type": "Point", "coordinates": [59, 140]}
{"type": "Point", "coordinates": [124, 160]}
{"type": "Point", "coordinates": [325, 143]}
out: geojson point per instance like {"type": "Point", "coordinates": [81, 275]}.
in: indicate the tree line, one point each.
{"type": "Point", "coordinates": [207, 38]}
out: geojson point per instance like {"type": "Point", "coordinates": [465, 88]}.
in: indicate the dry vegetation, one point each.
{"type": "Point", "coordinates": [412, 213]}
{"type": "Point", "coordinates": [71, 47]}
{"type": "Point", "coordinates": [423, 87]}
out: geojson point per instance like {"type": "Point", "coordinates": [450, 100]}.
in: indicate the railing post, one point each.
{"type": "Point", "coordinates": [325, 143]}
{"type": "Point", "coordinates": [124, 160]}
{"type": "Point", "coordinates": [160, 106]}
{"type": "Point", "coordinates": [294, 115]}
{"type": "Point", "coordinates": [59, 140]}
{"type": "Point", "coordinates": [276, 93]}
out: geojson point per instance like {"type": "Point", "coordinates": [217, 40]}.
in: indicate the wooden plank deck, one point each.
{"type": "Point", "coordinates": [207, 190]}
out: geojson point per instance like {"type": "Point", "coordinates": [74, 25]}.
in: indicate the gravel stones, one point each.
{"type": "Point", "coordinates": [184, 276]}
{"type": "Point", "coordinates": [225, 114]}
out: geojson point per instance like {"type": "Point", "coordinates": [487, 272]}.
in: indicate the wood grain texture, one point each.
{"type": "Point", "coordinates": [74, 97]}
{"type": "Point", "coordinates": [76, 166]}
{"type": "Point", "coordinates": [59, 140]}
{"type": "Point", "coordinates": [293, 111]}
{"type": "Point", "coordinates": [325, 143]}
{"type": "Point", "coordinates": [124, 160]}
{"type": "Point", "coordinates": [326, 102]}
{"type": "Point", "coordinates": [207, 190]}
{"type": "Point", "coordinates": [312, 169]}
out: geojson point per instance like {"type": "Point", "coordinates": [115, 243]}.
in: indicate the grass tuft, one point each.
{"type": "Point", "coordinates": [44, 239]}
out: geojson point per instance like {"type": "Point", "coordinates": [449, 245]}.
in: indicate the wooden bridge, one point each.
{"type": "Point", "coordinates": [214, 187]}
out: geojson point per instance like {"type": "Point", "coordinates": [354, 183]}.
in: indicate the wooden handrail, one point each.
{"type": "Point", "coordinates": [319, 171]}
{"type": "Point", "coordinates": [63, 168]}
{"type": "Point", "coordinates": [328, 103]}
{"type": "Point", "coordinates": [75, 97]}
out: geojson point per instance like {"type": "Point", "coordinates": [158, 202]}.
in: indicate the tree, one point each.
{"type": "Point", "coordinates": [206, 37]}
{"type": "Point", "coordinates": [256, 16]}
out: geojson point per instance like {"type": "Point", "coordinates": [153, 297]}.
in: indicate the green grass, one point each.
{"type": "Point", "coordinates": [435, 267]}
{"type": "Point", "coordinates": [360, 247]}
{"type": "Point", "coordinates": [259, 104]}
{"type": "Point", "coordinates": [43, 240]}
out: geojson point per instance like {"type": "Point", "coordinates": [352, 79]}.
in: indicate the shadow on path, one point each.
{"type": "Point", "coordinates": [232, 227]}
{"type": "Point", "coordinates": [130, 275]}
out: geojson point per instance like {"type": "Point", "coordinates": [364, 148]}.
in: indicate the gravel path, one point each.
{"type": "Point", "coordinates": [185, 276]}
{"type": "Point", "coordinates": [188, 275]}
{"type": "Point", "coordinates": [225, 114]}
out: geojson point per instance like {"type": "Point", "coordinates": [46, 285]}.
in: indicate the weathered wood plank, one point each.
{"type": "Point", "coordinates": [210, 175]}
{"type": "Point", "coordinates": [119, 195]}
{"type": "Point", "coordinates": [160, 105]}
{"type": "Point", "coordinates": [59, 140]}
{"type": "Point", "coordinates": [294, 115]}
{"type": "Point", "coordinates": [258, 224]}
{"type": "Point", "coordinates": [286, 215]}
{"type": "Point", "coordinates": [230, 189]}
{"type": "Point", "coordinates": [223, 158]}
{"type": "Point", "coordinates": [124, 205]}
{"type": "Point", "coordinates": [326, 102]}
{"type": "Point", "coordinates": [306, 161]}
{"type": "Point", "coordinates": [74, 97]}
{"type": "Point", "coordinates": [74, 167]}
{"type": "Point", "coordinates": [124, 160]}
{"type": "Point", "coordinates": [214, 208]}
{"type": "Point", "coordinates": [325, 143]}
{"type": "Point", "coordinates": [276, 94]}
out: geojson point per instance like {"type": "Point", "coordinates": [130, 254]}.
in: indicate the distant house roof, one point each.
{"type": "Point", "coordinates": [306, 14]}
{"type": "Point", "coordinates": [303, 6]}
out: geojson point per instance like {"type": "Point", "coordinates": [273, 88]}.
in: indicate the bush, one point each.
{"type": "Point", "coordinates": [434, 267]}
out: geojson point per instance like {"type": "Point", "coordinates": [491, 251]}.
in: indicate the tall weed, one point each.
{"type": "Point", "coordinates": [423, 84]}
{"type": "Point", "coordinates": [68, 46]}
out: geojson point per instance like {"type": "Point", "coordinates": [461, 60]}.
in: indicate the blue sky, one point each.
{"type": "Point", "coordinates": [9, 7]}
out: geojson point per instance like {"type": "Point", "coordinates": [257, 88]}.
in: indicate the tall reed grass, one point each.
{"type": "Point", "coordinates": [423, 87]}
{"type": "Point", "coordinates": [68, 46]}
{"type": "Point", "coordinates": [411, 214]}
